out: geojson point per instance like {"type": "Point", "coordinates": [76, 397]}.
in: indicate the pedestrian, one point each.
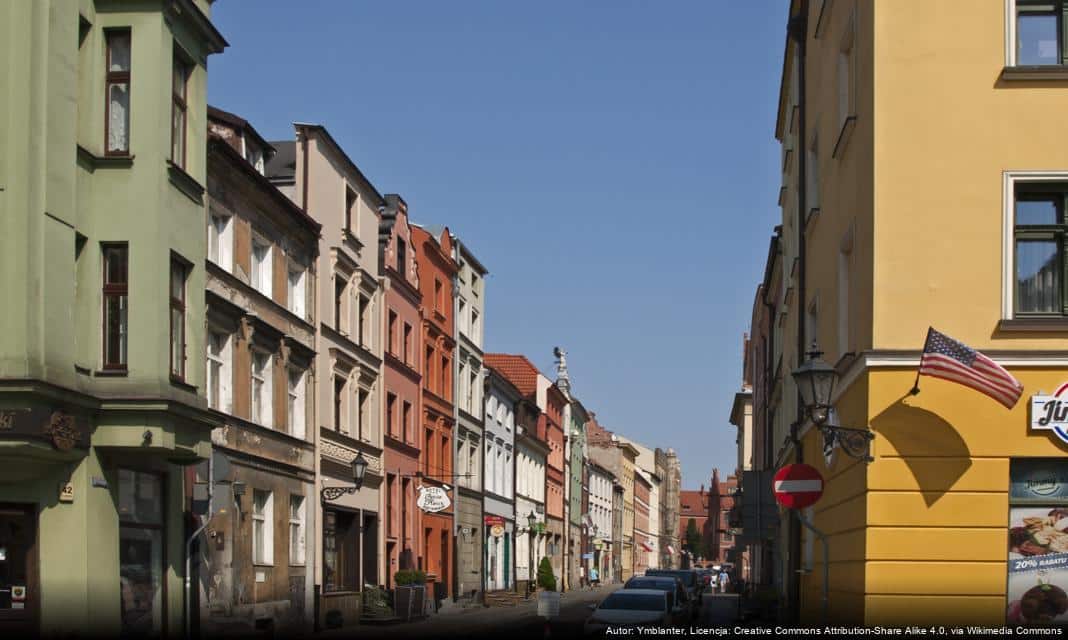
{"type": "Point", "coordinates": [723, 580]}
{"type": "Point", "coordinates": [595, 577]}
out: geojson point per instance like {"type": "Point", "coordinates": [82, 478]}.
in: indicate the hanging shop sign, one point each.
{"type": "Point", "coordinates": [497, 530]}
{"type": "Point", "coordinates": [432, 499]}
{"type": "Point", "coordinates": [1050, 413]}
{"type": "Point", "coordinates": [491, 520]}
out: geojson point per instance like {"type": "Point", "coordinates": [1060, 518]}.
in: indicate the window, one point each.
{"type": "Point", "coordinates": [219, 372]}
{"type": "Point", "coordinates": [439, 303]}
{"type": "Point", "coordinates": [141, 551]}
{"type": "Point", "coordinates": [262, 527]}
{"type": "Point", "coordinates": [845, 265]}
{"type": "Point", "coordinates": [297, 296]}
{"type": "Point", "coordinates": [444, 381]}
{"type": "Point", "coordinates": [261, 388]}
{"type": "Point", "coordinates": [116, 304]}
{"type": "Point", "coordinates": [812, 319]}
{"type": "Point", "coordinates": [179, 80]}
{"type": "Point", "coordinates": [462, 455]}
{"type": "Point", "coordinates": [261, 266]}
{"type": "Point", "coordinates": [178, 275]}
{"type": "Point", "coordinates": [472, 464]}
{"type": "Point", "coordinates": [1039, 28]}
{"type": "Point", "coordinates": [350, 209]}
{"type": "Point", "coordinates": [464, 396]}
{"type": "Point", "coordinates": [406, 422]}
{"type": "Point", "coordinates": [364, 330]}
{"type": "Point", "coordinates": [391, 339]}
{"type": "Point", "coordinates": [254, 156]}
{"type": "Point", "coordinates": [407, 343]}
{"type": "Point", "coordinates": [391, 408]}
{"type": "Point", "coordinates": [297, 409]}
{"type": "Point", "coordinates": [296, 530]}
{"type": "Point", "coordinates": [117, 91]}
{"type": "Point", "coordinates": [221, 241]}
{"type": "Point", "coordinates": [472, 392]}
{"type": "Point", "coordinates": [428, 443]}
{"type": "Point", "coordinates": [402, 257]}
{"type": "Point", "coordinates": [339, 302]}
{"type": "Point", "coordinates": [1039, 243]}
{"type": "Point", "coordinates": [475, 326]}
{"type": "Point", "coordinates": [364, 425]}
{"type": "Point", "coordinates": [428, 368]}
{"type": "Point", "coordinates": [339, 404]}
{"type": "Point", "coordinates": [846, 79]}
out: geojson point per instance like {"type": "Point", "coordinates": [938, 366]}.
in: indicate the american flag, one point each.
{"type": "Point", "coordinates": [944, 357]}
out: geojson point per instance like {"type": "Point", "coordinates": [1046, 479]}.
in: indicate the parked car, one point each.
{"type": "Point", "coordinates": [684, 608]}
{"type": "Point", "coordinates": [690, 580]}
{"type": "Point", "coordinates": [630, 608]}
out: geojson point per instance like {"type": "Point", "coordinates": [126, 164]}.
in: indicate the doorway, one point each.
{"type": "Point", "coordinates": [19, 596]}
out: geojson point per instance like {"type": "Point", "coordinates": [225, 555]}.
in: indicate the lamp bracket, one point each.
{"type": "Point", "coordinates": [856, 443]}
{"type": "Point", "coordinates": [329, 494]}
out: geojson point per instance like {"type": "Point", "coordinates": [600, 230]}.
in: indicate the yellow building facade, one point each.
{"type": "Point", "coordinates": [935, 183]}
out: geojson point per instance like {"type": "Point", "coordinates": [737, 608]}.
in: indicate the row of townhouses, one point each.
{"type": "Point", "coordinates": [240, 390]}
{"type": "Point", "coordinates": [924, 186]}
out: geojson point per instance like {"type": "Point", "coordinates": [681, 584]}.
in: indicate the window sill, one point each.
{"type": "Point", "coordinates": [93, 161]}
{"type": "Point", "coordinates": [1035, 325]}
{"type": "Point", "coordinates": [182, 384]}
{"type": "Point", "coordinates": [185, 183]}
{"type": "Point", "coordinates": [1052, 72]}
{"type": "Point", "coordinates": [844, 135]}
{"type": "Point", "coordinates": [264, 565]}
{"type": "Point", "coordinates": [111, 373]}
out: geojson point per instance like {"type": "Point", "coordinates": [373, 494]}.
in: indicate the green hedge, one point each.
{"type": "Point", "coordinates": [409, 576]}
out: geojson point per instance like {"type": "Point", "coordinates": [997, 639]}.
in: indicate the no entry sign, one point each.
{"type": "Point", "coordinates": [797, 486]}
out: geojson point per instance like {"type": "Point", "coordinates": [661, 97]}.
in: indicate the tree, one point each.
{"type": "Point", "coordinates": [693, 538]}
{"type": "Point", "coordinates": [546, 579]}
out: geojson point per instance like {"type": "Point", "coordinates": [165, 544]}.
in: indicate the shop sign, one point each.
{"type": "Point", "coordinates": [432, 499]}
{"type": "Point", "coordinates": [497, 530]}
{"type": "Point", "coordinates": [1039, 479]}
{"type": "Point", "coordinates": [493, 520]}
{"type": "Point", "coordinates": [1050, 413]}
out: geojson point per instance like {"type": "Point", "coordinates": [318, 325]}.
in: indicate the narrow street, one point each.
{"type": "Point", "coordinates": [522, 621]}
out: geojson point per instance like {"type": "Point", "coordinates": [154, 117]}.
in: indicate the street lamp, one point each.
{"type": "Point", "coordinates": [359, 470]}
{"type": "Point", "coordinates": [815, 381]}
{"type": "Point", "coordinates": [531, 521]}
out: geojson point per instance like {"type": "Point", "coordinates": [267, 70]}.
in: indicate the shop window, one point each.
{"type": "Point", "coordinates": [340, 561]}
{"type": "Point", "coordinates": [141, 525]}
{"type": "Point", "coordinates": [1038, 542]}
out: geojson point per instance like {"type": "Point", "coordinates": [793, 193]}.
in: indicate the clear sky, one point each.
{"type": "Point", "coordinates": [613, 164]}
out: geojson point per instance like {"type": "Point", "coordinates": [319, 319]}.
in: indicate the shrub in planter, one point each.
{"type": "Point", "coordinates": [406, 577]}
{"type": "Point", "coordinates": [546, 579]}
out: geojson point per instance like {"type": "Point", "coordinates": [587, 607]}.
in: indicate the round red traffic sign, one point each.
{"type": "Point", "coordinates": [797, 486]}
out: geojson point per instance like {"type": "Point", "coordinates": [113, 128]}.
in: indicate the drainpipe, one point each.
{"type": "Point", "coordinates": [798, 30]}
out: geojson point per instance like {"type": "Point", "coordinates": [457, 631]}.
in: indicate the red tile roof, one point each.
{"type": "Point", "coordinates": [697, 501]}
{"type": "Point", "coordinates": [516, 369]}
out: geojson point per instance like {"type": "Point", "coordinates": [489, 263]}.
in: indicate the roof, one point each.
{"type": "Point", "coordinates": [283, 164]}
{"type": "Point", "coordinates": [340, 152]}
{"type": "Point", "coordinates": [696, 500]}
{"type": "Point", "coordinates": [238, 122]}
{"type": "Point", "coordinates": [517, 369]}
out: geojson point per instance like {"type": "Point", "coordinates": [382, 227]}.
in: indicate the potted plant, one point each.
{"type": "Point", "coordinates": [410, 594]}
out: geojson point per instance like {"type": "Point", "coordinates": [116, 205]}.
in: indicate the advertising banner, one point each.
{"type": "Point", "coordinates": [1038, 566]}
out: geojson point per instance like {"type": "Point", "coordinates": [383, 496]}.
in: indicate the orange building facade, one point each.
{"type": "Point", "coordinates": [436, 269]}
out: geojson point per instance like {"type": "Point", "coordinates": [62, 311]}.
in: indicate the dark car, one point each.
{"type": "Point", "coordinates": [684, 608]}
{"type": "Point", "coordinates": [629, 608]}
{"type": "Point", "coordinates": [693, 583]}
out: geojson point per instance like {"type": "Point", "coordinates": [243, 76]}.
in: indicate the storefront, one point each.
{"type": "Point", "coordinates": [500, 543]}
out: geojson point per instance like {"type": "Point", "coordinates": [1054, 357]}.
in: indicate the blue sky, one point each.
{"type": "Point", "coordinates": [613, 164]}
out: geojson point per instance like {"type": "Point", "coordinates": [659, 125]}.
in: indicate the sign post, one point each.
{"type": "Point", "coordinates": [796, 487]}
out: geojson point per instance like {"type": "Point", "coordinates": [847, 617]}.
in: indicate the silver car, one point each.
{"type": "Point", "coordinates": [630, 608]}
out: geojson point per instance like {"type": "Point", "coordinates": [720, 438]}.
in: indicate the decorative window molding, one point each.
{"type": "Point", "coordinates": [1008, 231]}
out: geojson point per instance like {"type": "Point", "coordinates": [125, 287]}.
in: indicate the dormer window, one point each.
{"type": "Point", "coordinates": [254, 156]}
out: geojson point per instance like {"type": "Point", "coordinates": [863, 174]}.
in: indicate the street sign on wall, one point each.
{"type": "Point", "coordinates": [797, 486]}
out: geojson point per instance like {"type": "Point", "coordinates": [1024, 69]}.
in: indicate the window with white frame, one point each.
{"type": "Point", "coordinates": [221, 241]}
{"type": "Point", "coordinates": [261, 266]}
{"type": "Point", "coordinates": [461, 462]}
{"type": "Point", "coordinates": [476, 327]}
{"type": "Point", "coordinates": [465, 401]}
{"type": "Point", "coordinates": [472, 463]}
{"type": "Point", "coordinates": [261, 388]}
{"type": "Point", "coordinates": [1035, 33]}
{"type": "Point", "coordinates": [473, 395]}
{"type": "Point", "coordinates": [297, 412]}
{"type": "Point", "coordinates": [296, 530]}
{"type": "Point", "coordinates": [262, 527]}
{"type": "Point", "coordinates": [492, 478]}
{"type": "Point", "coordinates": [363, 414]}
{"type": "Point", "coordinates": [298, 291]}
{"type": "Point", "coordinates": [220, 394]}
{"type": "Point", "coordinates": [461, 316]}
{"type": "Point", "coordinates": [363, 331]}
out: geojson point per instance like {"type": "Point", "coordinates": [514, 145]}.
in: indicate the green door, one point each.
{"type": "Point", "coordinates": [507, 560]}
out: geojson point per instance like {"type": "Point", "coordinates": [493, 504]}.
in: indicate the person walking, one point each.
{"type": "Point", "coordinates": [723, 580]}
{"type": "Point", "coordinates": [595, 577]}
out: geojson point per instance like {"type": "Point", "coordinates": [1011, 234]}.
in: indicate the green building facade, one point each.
{"type": "Point", "coordinates": [102, 329]}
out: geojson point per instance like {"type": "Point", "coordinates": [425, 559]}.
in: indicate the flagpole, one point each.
{"type": "Point", "coordinates": [915, 390]}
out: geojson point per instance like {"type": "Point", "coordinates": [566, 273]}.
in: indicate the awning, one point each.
{"type": "Point", "coordinates": [646, 546]}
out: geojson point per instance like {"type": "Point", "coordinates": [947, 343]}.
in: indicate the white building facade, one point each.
{"type": "Point", "coordinates": [531, 455]}
{"type": "Point", "coordinates": [600, 510]}
{"type": "Point", "coordinates": [500, 483]}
